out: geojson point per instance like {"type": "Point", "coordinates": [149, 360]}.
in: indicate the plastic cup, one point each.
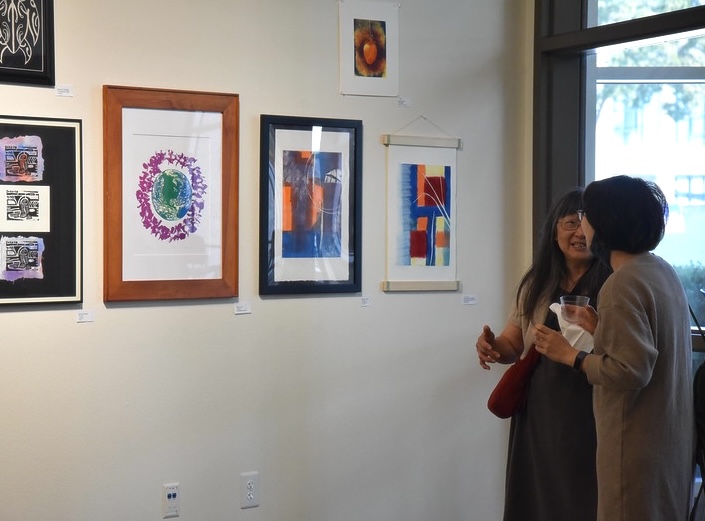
{"type": "Point", "coordinates": [570, 305]}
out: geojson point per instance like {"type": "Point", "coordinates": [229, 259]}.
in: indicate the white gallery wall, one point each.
{"type": "Point", "coordinates": [348, 412]}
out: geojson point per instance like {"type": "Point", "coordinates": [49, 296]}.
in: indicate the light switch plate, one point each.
{"type": "Point", "coordinates": [171, 500]}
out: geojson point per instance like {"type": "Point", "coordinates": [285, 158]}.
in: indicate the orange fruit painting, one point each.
{"type": "Point", "coordinates": [370, 48]}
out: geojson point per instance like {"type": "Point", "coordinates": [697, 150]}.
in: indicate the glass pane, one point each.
{"type": "Point", "coordinates": [612, 11]}
{"type": "Point", "coordinates": [652, 55]}
{"type": "Point", "coordinates": [650, 122]}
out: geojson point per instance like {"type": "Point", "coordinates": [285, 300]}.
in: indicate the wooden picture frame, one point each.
{"type": "Point", "coordinates": [171, 194]}
{"type": "Point", "coordinates": [40, 210]}
{"type": "Point", "coordinates": [27, 43]}
{"type": "Point", "coordinates": [310, 205]}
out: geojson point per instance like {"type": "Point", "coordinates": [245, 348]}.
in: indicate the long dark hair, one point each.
{"type": "Point", "coordinates": [543, 278]}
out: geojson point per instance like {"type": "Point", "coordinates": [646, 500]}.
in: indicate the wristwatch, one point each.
{"type": "Point", "coordinates": [578, 363]}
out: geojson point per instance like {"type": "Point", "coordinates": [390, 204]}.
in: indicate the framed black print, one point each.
{"type": "Point", "coordinates": [27, 42]}
{"type": "Point", "coordinates": [40, 210]}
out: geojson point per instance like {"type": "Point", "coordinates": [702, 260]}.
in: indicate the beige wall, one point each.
{"type": "Point", "coordinates": [349, 413]}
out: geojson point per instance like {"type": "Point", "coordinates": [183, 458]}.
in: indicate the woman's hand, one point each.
{"type": "Point", "coordinates": [485, 351]}
{"type": "Point", "coordinates": [586, 317]}
{"type": "Point", "coordinates": [553, 345]}
{"type": "Point", "coordinates": [504, 348]}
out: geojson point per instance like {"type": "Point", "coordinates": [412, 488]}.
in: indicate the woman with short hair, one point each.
{"type": "Point", "coordinates": [640, 368]}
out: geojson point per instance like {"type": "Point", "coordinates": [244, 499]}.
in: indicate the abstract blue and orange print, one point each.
{"type": "Point", "coordinates": [311, 204]}
{"type": "Point", "coordinates": [425, 220]}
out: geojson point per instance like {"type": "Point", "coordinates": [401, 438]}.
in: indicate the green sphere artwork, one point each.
{"type": "Point", "coordinates": [171, 195]}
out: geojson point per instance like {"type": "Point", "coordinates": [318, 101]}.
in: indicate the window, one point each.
{"type": "Point", "coordinates": [632, 101]}
{"type": "Point", "coordinates": [610, 11]}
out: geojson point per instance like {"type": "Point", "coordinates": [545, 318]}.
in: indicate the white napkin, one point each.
{"type": "Point", "coordinates": [576, 335]}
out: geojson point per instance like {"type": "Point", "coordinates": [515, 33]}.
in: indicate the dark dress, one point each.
{"type": "Point", "coordinates": [552, 443]}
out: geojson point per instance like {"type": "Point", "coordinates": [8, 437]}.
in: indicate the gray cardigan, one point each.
{"type": "Point", "coordinates": [642, 395]}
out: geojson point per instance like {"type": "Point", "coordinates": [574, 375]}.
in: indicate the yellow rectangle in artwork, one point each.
{"type": "Point", "coordinates": [442, 256]}
{"type": "Point", "coordinates": [435, 170]}
{"type": "Point", "coordinates": [441, 223]}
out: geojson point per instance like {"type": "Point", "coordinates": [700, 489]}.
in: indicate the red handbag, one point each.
{"type": "Point", "coordinates": [509, 395]}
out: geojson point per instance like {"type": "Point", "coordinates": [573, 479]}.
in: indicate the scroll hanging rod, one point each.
{"type": "Point", "coordinates": [421, 141]}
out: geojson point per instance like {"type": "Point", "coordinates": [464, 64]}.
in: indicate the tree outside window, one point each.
{"type": "Point", "coordinates": [649, 116]}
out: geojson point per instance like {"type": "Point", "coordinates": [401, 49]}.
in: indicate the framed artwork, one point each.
{"type": "Point", "coordinates": [421, 214]}
{"type": "Point", "coordinates": [310, 205]}
{"type": "Point", "coordinates": [369, 48]}
{"type": "Point", "coordinates": [171, 187]}
{"type": "Point", "coordinates": [40, 211]}
{"type": "Point", "coordinates": [27, 42]}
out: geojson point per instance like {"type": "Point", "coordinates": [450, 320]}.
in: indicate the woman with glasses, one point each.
{"type": "Point", "coordinates": [551, 460]}
{"type": "Point", "coordinates": [641, 364]}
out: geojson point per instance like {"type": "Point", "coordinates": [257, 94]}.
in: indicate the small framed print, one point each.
{"type": "Point", "coordinates": [369, 48]}
{"type": "Point", "coordinates": [310, 205]}
{"type": "Point", "coordinates": [40, 210]}
{"type": "Point", "coordinates": [27, 42]}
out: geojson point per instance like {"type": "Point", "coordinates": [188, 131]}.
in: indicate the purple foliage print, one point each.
{"type": "Point", "coordinates": [189, 223]}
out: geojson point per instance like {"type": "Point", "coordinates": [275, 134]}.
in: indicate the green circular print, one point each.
{"type": "Point", "coordinates": [171, 195]}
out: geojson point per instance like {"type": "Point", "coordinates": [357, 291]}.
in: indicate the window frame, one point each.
{"type": "Point", "coordinates": [562, 43]}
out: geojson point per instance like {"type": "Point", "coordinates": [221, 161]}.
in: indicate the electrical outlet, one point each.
{"type": "Point", "coordinates": [249, 489]}
{"type": "Point", "coordinates": [171, 500]}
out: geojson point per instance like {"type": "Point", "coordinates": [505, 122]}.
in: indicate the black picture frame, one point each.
{"type": "Point", "coordinates": [310, 205]}
{"type": "Point", "coordinates": [27, 43]}
{"type": "Point", "coordinates": [40, 210]}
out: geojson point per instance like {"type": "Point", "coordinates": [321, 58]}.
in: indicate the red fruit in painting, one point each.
{"type": "Point", "coordinates": [369, 51]}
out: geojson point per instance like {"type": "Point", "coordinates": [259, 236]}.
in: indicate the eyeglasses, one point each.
{"type": "Point", "coordinates": [570, 224]}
